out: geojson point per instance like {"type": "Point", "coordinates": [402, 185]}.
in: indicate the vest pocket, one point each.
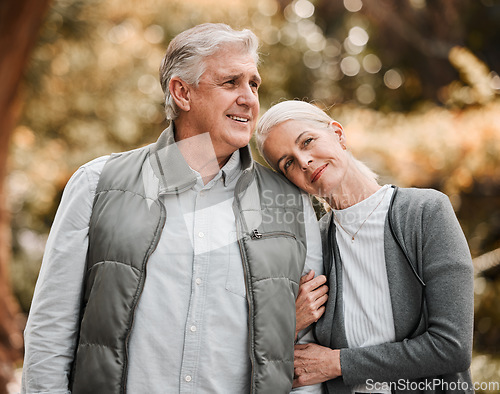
{"type": "Point", "coordinates": [273, 234]}
{"type": "Point", "coordinates": [283, 246]}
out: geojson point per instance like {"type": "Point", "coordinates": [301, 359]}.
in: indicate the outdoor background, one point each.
{"type": "Point", "coordinates": [414, 82]}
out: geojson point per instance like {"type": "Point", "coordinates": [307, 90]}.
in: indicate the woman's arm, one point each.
{"type": "Point", "coordinates": [315, 364]}
{"type": "Point", "coordinates": [309, 306]}
{"type": "Point", "coordinates": [446, 346]}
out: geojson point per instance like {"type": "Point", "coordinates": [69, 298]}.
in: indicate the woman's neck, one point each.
{"type": "Point", "coordinates": [355, 188]}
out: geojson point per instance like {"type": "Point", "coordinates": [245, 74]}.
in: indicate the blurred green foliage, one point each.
{"type": "Point", "coordinates": [412, 81]}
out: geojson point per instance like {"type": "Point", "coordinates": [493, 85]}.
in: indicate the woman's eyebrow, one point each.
{"type": "Point", "coordinates": [279, 161]}
{"type": "Point", "coordinates": [296, 143]}
{"type": "Point", "coordinates": [300, 135]}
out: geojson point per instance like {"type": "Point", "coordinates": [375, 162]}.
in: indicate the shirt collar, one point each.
{"type": "Point", "coordinates": [232, 168]}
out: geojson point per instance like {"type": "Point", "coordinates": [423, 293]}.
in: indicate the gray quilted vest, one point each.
{"type": "Point", "coordinates": [126, 224]}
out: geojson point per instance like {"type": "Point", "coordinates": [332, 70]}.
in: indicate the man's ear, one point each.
{"type": "Point", "coordinates": [179, 90]}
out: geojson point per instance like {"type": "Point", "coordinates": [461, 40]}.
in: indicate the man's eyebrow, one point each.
{"type": "Point", "coordinates": [224, 77]}
{"type": "Point", "coordinates": [254, 77]}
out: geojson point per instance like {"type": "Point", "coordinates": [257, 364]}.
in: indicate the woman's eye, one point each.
{"type": "Point", "coordinates": [288, 163]}
{"type": "Point", "coordinates": [308, 141]}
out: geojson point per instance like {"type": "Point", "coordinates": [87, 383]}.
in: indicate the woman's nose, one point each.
{"type": "Point", "coordinates": [305, 163]}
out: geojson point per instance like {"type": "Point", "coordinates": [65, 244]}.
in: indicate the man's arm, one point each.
{"type": "Point", "coordinates": [314, 256]}
{"type": "Point", "coordinates": [314, 261]}
{"type": "Point", "coordinates": [51, 331]}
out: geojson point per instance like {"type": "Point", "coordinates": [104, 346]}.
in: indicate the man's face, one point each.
{"type": "Point", "coordinates": [225, 103]}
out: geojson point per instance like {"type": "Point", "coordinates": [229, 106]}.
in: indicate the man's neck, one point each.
{"type": "Point", "coordinates": [199, 153]}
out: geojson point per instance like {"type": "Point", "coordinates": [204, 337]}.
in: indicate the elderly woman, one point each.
{"type": "Point", "coordinates": [400, 306]}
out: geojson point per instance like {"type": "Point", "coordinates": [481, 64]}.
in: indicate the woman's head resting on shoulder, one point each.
{"type": "Point", "coordinates": [303, 143]}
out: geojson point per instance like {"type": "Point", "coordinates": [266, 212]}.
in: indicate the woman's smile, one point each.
{"type": "Point", "coordinates": [318, 172]}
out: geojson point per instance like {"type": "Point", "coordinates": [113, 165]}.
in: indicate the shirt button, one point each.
{"type": "Point", "coordinates": [202, 193]}
{"type": "Point", "coordinates": [188, 378]}
{"type": "Point", "coordinates": [193, 328]}
{"type": "Point", "coordinates": [198, 281]}
{"type": "Point", "coordinates": [200, 234]}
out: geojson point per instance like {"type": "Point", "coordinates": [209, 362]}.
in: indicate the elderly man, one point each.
{"type": "Point", "coordinates": [175, 267]}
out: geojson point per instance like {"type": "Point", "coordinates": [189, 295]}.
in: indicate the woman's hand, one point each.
{"type": "Point", "coordinates": [315, 364]}
{"type": "Point", "coordinates": [309, 306]}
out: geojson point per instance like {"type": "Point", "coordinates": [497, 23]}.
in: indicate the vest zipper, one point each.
{"type": "Point", "coordinates": [142, 279]}
{"type": "Point", "coordinates": [248, 287]}
{"type": "Point", "coordinates": [257, 235]}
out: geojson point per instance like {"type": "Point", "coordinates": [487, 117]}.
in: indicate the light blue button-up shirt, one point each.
{"type": "Point", "coordinates": [190, 332]}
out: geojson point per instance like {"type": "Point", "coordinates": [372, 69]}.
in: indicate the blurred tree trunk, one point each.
{"type": "Point", "coordinates": [20, 21]}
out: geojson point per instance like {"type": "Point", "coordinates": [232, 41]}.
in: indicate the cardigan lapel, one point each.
{"type": "Point", "coordinates": [338, 336]}
{"type": "Point", "coordinates": [329, 330]}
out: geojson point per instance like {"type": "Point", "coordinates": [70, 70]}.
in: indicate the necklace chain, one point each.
{"type": "Point", "coordinates": [364, 221]}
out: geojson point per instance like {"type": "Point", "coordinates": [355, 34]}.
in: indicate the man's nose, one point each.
{"type": "Point", "coordinates": [247, 96]}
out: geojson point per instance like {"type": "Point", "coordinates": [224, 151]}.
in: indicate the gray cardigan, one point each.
{"type": "Point", "coordinates": [433, 331]}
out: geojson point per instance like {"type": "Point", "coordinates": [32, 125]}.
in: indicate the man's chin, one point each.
{"type": "Point", "coordinates": [240, 138]}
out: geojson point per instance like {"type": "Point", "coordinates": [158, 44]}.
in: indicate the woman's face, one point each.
{"type": "Point", "coordinates": [313, 157]}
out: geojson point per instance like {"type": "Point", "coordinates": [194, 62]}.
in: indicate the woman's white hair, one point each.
{"type": "Point", "coordinates": [300, 111]}
{"type": "Point", "coordinates": [187, 51]}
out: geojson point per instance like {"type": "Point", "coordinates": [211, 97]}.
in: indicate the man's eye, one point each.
{"type": "Point", "coordinates": [254, 85]}
{"type": "Point", "coordinates": [230, 82]}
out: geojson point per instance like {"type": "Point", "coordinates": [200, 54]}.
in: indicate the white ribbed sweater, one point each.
{"type": "Point", "coordinates": [366, 299]}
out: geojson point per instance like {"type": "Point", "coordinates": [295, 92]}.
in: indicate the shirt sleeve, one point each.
{"type": "Point", "coordinates": [51, 330]}
{"type": "Point", "coordinates": [314, 261]}
{"type": "Point", "coordinates": [314, 256]}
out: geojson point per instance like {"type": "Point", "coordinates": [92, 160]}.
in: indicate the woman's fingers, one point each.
{"type": "Point", "coordinates": [313, 293]}
{"type": "Point", "coordinates": [306, 278]}
{"type": "Point", "coordinates": [313, 296]}
{"type": "Point", "coordinates": [319, 312]}
{"type": "Point", "coordinates": [314, 283]}
{"type": "Point", "coordinates": [315, 364]}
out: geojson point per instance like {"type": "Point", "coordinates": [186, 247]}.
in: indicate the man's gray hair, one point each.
{"type": "Point", "coordinates": [187, 51]}
{"type": "Point", "coordinates": [300, 111]}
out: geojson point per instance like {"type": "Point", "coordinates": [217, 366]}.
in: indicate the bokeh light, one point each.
{"type": "Point", "coordinates": [365, 94]}
{"type": "Point", "coordinates": [350, 66]}
{"type": "Point", "coordinates": [393, 79]}
{"type": "Point", "coordinates": [372, 63]}
{"type": "Point", "coordinates": [358, 36]}
{"type": "Point", "coordinates": [303, 8]}
{"type": "Point", "coordinates": [353, 5]}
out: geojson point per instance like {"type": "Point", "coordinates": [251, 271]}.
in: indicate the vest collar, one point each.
{"type": "Point", "coordinates": [172, 171]}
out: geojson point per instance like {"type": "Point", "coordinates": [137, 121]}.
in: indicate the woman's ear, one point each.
{"type": "Point", "coordinates": [179, 90]}
{"type": "Point", "coordinates": [339, 130]}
